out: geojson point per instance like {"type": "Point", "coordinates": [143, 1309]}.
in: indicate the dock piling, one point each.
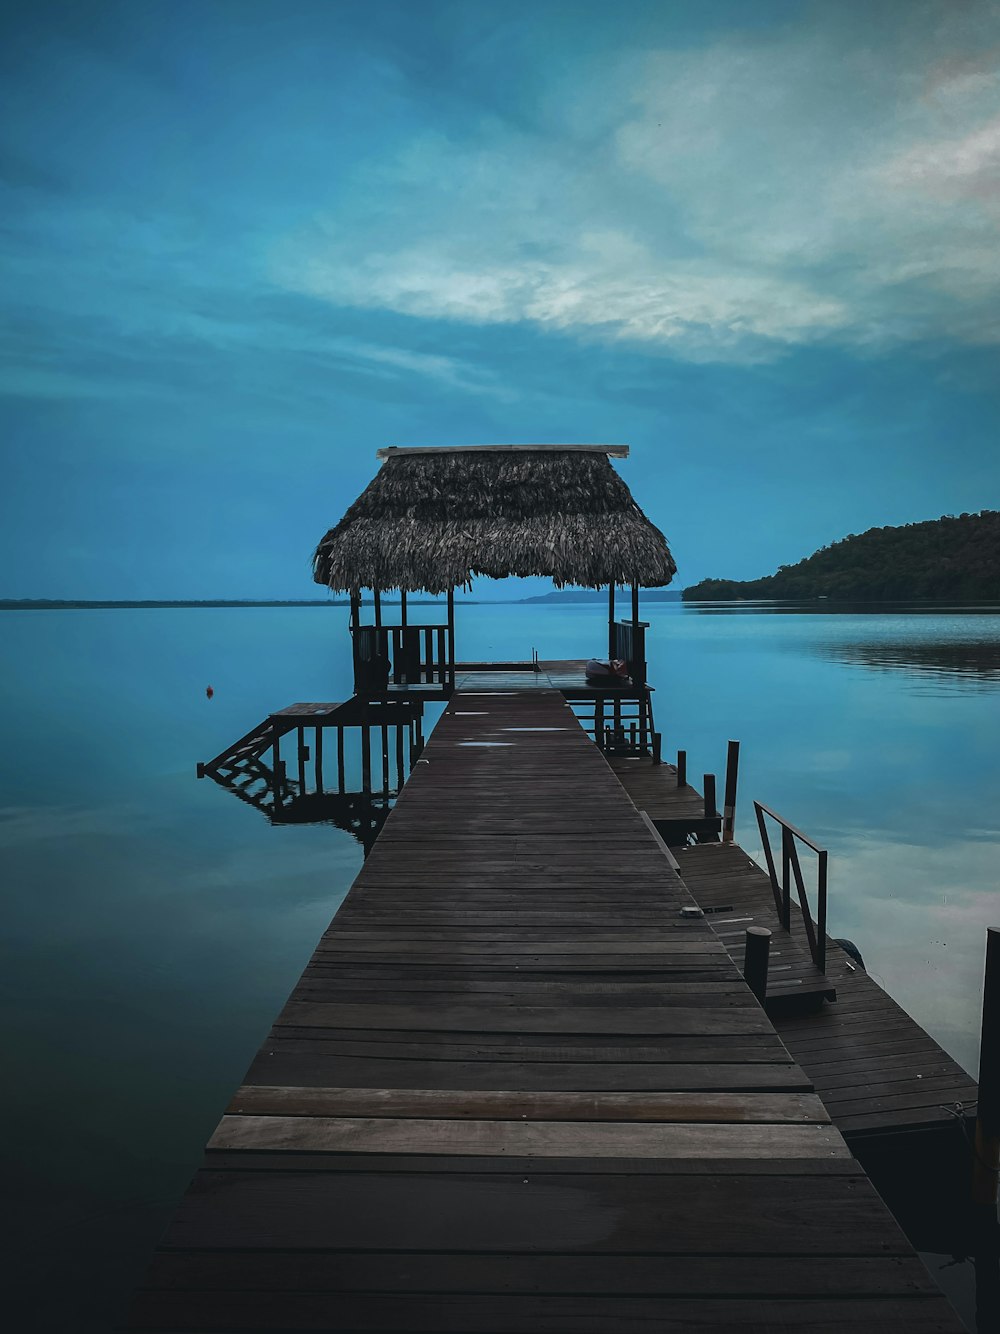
{"type": "Point", "coordinates": [986, 1165]}
{"type": "Point", "coordinates": [755, 960]}
{"type": "Point", "coordinates": [682, 768]}
{"type": "Point", "coordinates": [729, 800]}
{"type": "Point", "coordinates": [709, 789]}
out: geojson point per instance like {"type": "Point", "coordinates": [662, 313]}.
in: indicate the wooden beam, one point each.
{"type": "Point", "coordinates": [613, 451]}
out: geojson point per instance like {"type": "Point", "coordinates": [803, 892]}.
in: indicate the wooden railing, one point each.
{"type": "Point", "coordinates": [628, 642]}
{"type": "Point", "coordinates": [416, 655]}
{"type": "Point", "coordinates": [791, 870]}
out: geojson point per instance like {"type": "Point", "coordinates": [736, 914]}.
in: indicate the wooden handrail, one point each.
{"type": "Point", "coordinates": [791, 871]}
{"type": "Point", "coordinates": [424, 654]}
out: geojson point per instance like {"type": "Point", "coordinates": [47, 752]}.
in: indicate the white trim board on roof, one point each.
{"type": "Point", "coordinates": [614, 451]}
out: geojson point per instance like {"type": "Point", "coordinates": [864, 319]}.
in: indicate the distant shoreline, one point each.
{"type": "Point", "coordinates": [549, 599]}
{"type": "Point", "coordinates": [82, 604]}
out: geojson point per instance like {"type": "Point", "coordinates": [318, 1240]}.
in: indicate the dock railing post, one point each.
{"type": "Point", "coordinates": [822, 873]}
{"type": "Point", "coordinates": [755, 960]}
{"type": "Point", "coordinates": [657, 748]}
{"type": "Point", "coordinates": [682, 768]}
{"type": "Point", "coordinates": [711, 810]}
{"type": "Point", "coordinates": [786, 877]}
{"type": "Point", "coordinates": [729, 800]}
{"type": "Point", "coordinates": [987, 1156]}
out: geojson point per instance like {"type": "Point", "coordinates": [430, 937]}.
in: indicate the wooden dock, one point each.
{"type": "Point", "coordinates": [876, 1069]}
{"type": "Point", "coordinates": [517, 1090]}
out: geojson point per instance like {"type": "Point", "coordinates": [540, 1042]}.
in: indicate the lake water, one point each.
{"type": "Point", "coordinates": [153, 925]}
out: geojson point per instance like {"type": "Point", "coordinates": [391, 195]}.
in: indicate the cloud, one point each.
{"type": "Point", "coordinates": [609, 284]}
{"type": "Point", "coordinates": [106, 304]}
{"type": "Point", "coordinates": [819, 182]}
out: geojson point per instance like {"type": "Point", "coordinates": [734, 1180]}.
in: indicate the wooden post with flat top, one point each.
{"type": "Point", "coordinates": [729, 799]}
{"type": "Point", "coordinates": [711, 810]}
{"type": "Point", "coordinates": [986, 1163]}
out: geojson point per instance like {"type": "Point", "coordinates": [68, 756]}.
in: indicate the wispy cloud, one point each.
{"type": "Point", "coordinates": [820, 182]}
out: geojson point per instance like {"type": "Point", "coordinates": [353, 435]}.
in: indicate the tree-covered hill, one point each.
{"type": "Point", "coordinates": [950, 557]}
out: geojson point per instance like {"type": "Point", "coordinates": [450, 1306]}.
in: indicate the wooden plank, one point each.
{"type": "Point", "coordinates": [537, 1314]}
{"type": "Point", "coordinates": [575, 1214]}
{"type": "Point", "coordinates": [528, 1019]}
{"type": "Point", "coordinates": [514, 1166]}
{"type": "Point", "coordinates": [689, 1275]}
{"type": "Point", "coordinates": [765, 1075]}
{"type": "Point", "coordinates": [443, 1045]}
{"type": "Point", "coordinates": [261, 1100]}
{"type": "Point", "coordinates": [630, 1139]}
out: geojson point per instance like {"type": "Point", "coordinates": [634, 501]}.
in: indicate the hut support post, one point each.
{"type": "Point", "coordinates": [377, 601]}
{"type": "Point", "coordinates": [366, 753]}
{"type": "Point", "coordinates": [402, 606]}
{"type": "Point", "coordinates": [638, 642]}
{"type": "Point", "coordinates": [354, 623]}
{"type": "Point", "coordinates": [303, 755]}
{"type": "Point", "coordinates": [986, 1164]}
{"type": "Point", "coordinates": [451, 638]}
{"type": "Point", "coordinates": [611, 621]}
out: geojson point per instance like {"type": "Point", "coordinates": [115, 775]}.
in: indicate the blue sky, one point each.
{"type": "Point", "coordinates": [245, 243]}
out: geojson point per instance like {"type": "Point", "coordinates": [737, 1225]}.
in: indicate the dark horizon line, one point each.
{"type": "Point", "coordinates": [569, 595]}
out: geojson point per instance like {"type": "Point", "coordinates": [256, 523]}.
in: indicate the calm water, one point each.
{"type": "Point", "coordinates": [153, 925]}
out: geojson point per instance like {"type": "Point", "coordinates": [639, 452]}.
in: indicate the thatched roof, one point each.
{"type": "Point", "coordinates": [432, 519]}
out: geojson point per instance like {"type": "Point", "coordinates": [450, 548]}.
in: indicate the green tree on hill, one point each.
{"type": "Point", "coordinates": [956, 556]}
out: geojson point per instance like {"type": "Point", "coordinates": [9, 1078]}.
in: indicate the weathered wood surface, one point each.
{"type": "Point", "coordinates": [515, 1090]}
{"type": "Point", "coordinates": [874, 1066]}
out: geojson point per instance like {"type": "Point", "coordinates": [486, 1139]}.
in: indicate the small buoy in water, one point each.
{"type": "Point", "coordinates": [209, 692]}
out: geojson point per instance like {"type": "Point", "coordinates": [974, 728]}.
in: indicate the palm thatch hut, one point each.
{"type": "Point", "coordinates": [432, 519]}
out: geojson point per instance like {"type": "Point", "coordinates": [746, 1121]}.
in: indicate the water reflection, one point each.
{"type": "Point", "coordinates": [924, 1177]}
{"type": "Point", "coordinates": [253, 771]}
{"type": "Point", "coordinates": [361, 814]}
{"type": "Point", "coordinates": [974, 660]}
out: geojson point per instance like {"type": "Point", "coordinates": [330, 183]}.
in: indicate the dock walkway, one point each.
{"type": "Point", "coordinates": [515, 1090]}
{"type": "Point", "coordinates": [875, 1068]}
